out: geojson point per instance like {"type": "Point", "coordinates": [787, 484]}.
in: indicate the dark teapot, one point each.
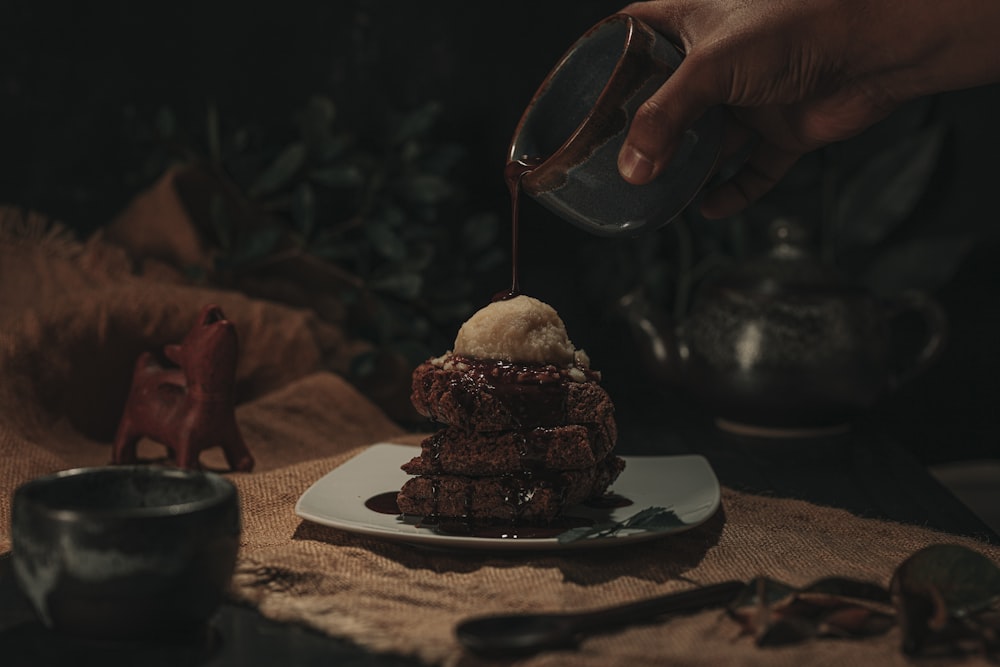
{"type": "Point", "coordinates": [783, 345]}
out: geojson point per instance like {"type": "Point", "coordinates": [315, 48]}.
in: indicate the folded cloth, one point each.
{"type": "Point", "coordinates": [72, 319]}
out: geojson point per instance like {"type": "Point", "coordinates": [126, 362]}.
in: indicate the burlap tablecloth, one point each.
{"type": "Point", "coordinates": [72, 319]}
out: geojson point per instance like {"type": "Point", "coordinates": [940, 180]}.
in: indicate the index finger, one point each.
{"type": "Point", "coordinates": [660, 121]}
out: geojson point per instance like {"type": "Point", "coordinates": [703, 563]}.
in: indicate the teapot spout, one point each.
{"type": "Point", "coordinates": [655, 337]}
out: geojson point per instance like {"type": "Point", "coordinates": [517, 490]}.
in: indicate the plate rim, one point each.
{"type": "Point", "coordinates": [428, 538]}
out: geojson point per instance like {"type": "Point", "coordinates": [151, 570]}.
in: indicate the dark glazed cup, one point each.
{"type": "Point", "coordinates": [577, 121]}
{"type": "Point", "coordinates": [125, 552]}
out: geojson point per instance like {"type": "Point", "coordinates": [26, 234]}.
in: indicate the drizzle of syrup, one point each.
{"type": "Point", "coordinates": [540, 402]}
{"type": "Point", "coordinates": [513, 173]}
{"type": "Point", "coordinates": [532, 449]}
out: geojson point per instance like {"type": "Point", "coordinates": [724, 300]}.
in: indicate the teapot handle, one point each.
{"type": "Point", "coordinates": [936, 329]}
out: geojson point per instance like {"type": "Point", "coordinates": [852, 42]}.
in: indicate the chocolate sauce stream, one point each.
{"type": "Point", "coordinates": [513, 173]}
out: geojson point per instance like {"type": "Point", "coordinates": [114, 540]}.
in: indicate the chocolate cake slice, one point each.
{"type": "Point", "coordinates": [455, 451]}
{"type": "Point", "coordinates": [492, 395]}
{"type": "Point", "coordinates": [535, 497]}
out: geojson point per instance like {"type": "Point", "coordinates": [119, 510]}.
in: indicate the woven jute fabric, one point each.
{"type": "Point", "coordinates": [73, 317]}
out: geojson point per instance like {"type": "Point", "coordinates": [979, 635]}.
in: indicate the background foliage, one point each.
{"type": "Point", "coordinates": [371, 136]}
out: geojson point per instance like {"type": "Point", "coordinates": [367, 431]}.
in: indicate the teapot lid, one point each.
{"type": "Point", "coordinates": [788, 266]}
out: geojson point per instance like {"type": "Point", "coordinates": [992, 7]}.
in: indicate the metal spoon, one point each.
{"type": "Point", "coordinates": [528, 633]}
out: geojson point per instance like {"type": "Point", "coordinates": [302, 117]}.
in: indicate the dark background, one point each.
{"type": "Point", "coordinates": [76, 79]}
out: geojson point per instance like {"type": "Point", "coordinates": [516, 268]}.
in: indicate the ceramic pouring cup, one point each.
{"type": "Point", "coordinates": [125, 552]}
{"type": "Point", "coordinates": [576, 122]}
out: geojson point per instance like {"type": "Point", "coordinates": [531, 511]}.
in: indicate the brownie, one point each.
{"type": "Point", "coordinates": [455, 451]}
{"type": "Point", "coordinates": [529, 497]}
{"type": "Point", "coordinates": [497, 396]}
{"type": "Point", "coordinates": [517, 442]}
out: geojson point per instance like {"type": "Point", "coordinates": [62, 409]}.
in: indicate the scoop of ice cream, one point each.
{"type": "Point", "coordinates": [522, 329]}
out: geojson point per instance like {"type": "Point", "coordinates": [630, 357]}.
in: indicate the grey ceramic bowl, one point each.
{"type": "Point", "coordinates": [122, 552]}
{"type": "Point", "coordinates": [577, 121]}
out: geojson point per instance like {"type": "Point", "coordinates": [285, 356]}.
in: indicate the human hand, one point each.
{"type": "Point", "coordinates": [795, 75]}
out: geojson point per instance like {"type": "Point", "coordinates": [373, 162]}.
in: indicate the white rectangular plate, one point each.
{"type": "Point", "coordinates": [684, 484]}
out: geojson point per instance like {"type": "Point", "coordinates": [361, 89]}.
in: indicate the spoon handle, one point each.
{"type": "Point", "coordinates": [516, 634]}
{"type": "Point", "coordinates": [692, 600]}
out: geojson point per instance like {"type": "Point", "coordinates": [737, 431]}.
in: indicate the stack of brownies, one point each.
{"type": "Point", "coordinates": [526, 430]}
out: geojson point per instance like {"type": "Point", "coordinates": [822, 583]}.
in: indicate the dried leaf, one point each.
{"type": "Point", "coordinates": [777, 614]}
{"type": "Point", "coordinates": [839, 588]}
{"type": "Point", "coordinates": [940, 592]}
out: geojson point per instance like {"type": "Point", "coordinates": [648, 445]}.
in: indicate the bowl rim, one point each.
{"type": "Point", "coordinates": [619, 20]}
{"type": "Point", "coordinates": [223, 491]}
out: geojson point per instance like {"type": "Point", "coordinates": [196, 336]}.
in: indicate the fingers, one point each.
{"type": "Point", "coordinates": [665, 16]}
{"type": "Point", "coordinates": [762, 170]}
{"type": "Point", "coordinates": [660, 122]}
{"type": "Point", "coordinates": [738, 143]}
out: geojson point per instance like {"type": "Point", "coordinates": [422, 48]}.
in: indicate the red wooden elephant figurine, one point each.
{"type": "Point", "coordinates": [190, 407]}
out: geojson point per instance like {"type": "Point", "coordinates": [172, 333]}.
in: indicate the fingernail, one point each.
{"type": "Point", "coordinates": [634, 166]}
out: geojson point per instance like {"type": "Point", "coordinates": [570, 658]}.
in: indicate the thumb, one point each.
{"type": "Point", "coordinates": [662, 119]}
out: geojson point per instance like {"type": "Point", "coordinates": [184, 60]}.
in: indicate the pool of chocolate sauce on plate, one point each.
{"type": "Point", "coordinates": [385, 503]}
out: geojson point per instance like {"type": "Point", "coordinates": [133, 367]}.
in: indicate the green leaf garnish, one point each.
{"type": "Point", "coordinates": [651, 519]}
